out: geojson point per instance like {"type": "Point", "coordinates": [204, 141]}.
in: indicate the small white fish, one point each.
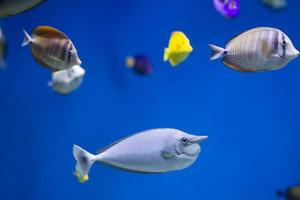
{"type": "Point", "coordinates": [65, 81]}
{"type": "Point", "coordinates": [257, 50]}
{"type": "Point", "coordinates": [150, 151]}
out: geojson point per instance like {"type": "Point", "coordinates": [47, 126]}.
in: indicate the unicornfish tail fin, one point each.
{"type": "Point", "coordinates": [217, 52]}
{"type": "Point", "coordinates": [84, 161]}
{"type": "Point", "coordinates": [27, 40]}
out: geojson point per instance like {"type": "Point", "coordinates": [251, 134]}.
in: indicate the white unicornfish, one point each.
{"type": "Point", "coordinates": [150, 151]}
{"type": "Point", "coordinates": [257, 50]}
{"type": "Point", "coordinates": [67, 80]}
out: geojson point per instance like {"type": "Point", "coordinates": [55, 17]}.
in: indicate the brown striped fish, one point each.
{"type": "Point", "coordinates": [257, 50]}
{"type": "Point", "coordinates": [13, 7]}
{"type": "Point", "coordinates": [52, 48]}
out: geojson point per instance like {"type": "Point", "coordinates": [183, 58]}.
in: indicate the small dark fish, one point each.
{"type": "Point", "coordinates": [141, 64]}
{"type": "Point", "coordinates": [3, 49]}
{"type": "Point", "coordinates": [13, 7]}
{"type": "Point", "coordinates": [227, 8]}
{"type": "Point", "coordinates": [292, 193]}
{"type": "Point", "coordinates": [52, 48]}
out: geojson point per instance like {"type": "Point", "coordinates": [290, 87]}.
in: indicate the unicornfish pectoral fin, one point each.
{"type": "Point", "coordinates": [168, 155]}
{"type": "Point", "coordinates": [216, 52]}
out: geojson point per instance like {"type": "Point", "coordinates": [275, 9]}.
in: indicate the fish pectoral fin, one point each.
{"type": "Point", "coordinates": [168, 155]}
{"type": "Point", "coordinates": [55, 58]}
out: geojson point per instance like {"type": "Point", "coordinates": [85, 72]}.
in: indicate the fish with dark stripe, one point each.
{"type": "Point", "coordinates": [52, 48]}
{"type": "Point", "coordinates": [257, 50]}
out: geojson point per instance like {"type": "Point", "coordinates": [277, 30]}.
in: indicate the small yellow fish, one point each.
{"type": "Point", "coordinates": [81, 179]}
{"type": "Point", "coordinates": [179, 48]}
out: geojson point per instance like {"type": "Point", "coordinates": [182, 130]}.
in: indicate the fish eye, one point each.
{"type": "Point", "coordinates": [283, 42]}
{"type": "Point", "coordinates": [184, 141]}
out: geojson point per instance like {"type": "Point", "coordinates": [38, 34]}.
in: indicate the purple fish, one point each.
{"type": "Point", "coordinates": [141, 64]}
{"type": "Point", "coordinates": [227, 8]}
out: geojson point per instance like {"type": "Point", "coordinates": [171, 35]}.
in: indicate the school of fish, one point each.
{"type": "Point", "coordinates": [160, 150]}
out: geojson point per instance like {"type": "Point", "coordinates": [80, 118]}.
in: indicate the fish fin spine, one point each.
{"type": "Point", "coordinates": [217, 52]}
{"type": "Point", "coordinates": [84, 161]}
{"type": "Point", "coordinates": [166, 54]}
{"type": "Point", "coordinates": [27, 39]}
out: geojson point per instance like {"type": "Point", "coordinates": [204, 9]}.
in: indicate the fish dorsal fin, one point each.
{"type": "Point", "coordinates": [48, 31]}
{"type": "Point", "coordinates": [250, 32]}
{"type": "Point", "coordinates": [113, 144]}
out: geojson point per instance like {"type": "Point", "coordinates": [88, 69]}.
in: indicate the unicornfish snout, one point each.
{"type": "Point", "coordinates": [197, 139]}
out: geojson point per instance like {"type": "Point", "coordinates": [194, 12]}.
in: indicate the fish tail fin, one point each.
{"type": "Point", "coordinates": [216, 52]}
{"type": "Point", "coordinates": [27, 39]}
{"type": "Point", "coordinates": [166, 54]}
{"type": "Point", "coordinates": [130, 61]}
{"type": "Point", "coordinates": [84, 161]}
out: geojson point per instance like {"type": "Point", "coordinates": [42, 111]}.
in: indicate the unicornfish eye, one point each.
{"type": "Point", "coordinates": [184, 141]}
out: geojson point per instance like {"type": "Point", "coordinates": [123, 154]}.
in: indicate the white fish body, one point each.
{"type": "Point", "coordinates": [151, 151]}
{"type": "Point", "coordinates": [65, 81]}
{"type": "Point", "coordinates": [257, 50]}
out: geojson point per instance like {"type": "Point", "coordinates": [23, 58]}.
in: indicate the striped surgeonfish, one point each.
{"type": "Point", "coordinates": [257, 50]}
{"type": "Point", "coordinates": [52, 48]}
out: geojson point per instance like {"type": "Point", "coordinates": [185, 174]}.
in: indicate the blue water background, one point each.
{"type": "Point", "coordinates": [252, 120]}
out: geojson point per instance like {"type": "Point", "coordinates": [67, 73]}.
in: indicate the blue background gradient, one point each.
{"type": "Point", "coordinates": [252, 119]}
